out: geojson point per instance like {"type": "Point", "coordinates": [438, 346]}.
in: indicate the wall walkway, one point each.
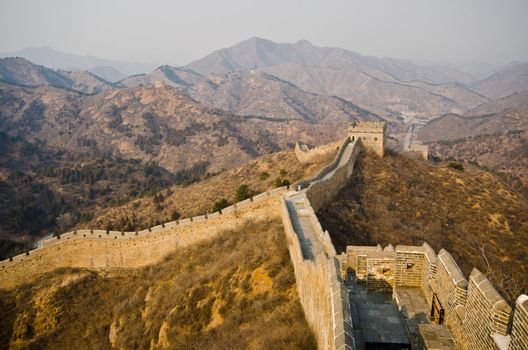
{"type": "Point", "coordinates": [316, 265]}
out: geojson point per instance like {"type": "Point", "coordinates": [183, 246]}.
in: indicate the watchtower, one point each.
{"type": "Point", "coordinates": [371, 134]}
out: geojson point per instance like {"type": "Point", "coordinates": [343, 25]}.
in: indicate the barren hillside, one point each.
{"type": "Point", "coordinates": [199, 198]}
{"type": "Point", "coordinates": [69, 156]}
{"type": "Point", "coordinates": [510, 79]}
{"type": "Point", "coordinates": [498, 142]}
{"type": "Point", "coordinates": [387, 87]}
{"type": "Point", "coordinates": [236, 291]}
{"type": "Point", "coordinates": [472, 214]}
{"type": "Point", "coordinates": [22, 72]}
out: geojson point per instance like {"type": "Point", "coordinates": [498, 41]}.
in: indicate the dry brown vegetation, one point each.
{"type": "Point", "coordinates": [199, 198]}
{"type": "Point", "coordinates": [234, 292]}
{"type": "Point", "coordinates": [472, 214]}
{"type": "Point", "coordinates": [506, 154]}
{"type": "Point", "coordinates": [497, 141]}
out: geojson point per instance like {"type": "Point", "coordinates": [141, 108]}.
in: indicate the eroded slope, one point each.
{"type": "Point", "coordinates": [236, 291]}
{"type": "Point", "coordinates": [472, 214]}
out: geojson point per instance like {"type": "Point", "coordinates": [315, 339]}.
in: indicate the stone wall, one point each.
{"type": "Point", "coordinates": [519, 333]}
{"type": "Point", "coordinates": [326, 187]}
{"type": "Point", "coordinates": [485, 314]}
{"type": "Point", "coordinates": [326, 170]}
{"type": "Point", "coordinates": [473, 310]}
{"type": "Point", "coordinates": [475, 313]}
{"type": "Point", "coordinates": [419, 148]}
{"type": "Point", "coordinates": [409, 266]}
{"type": "Point", "coordinates": [99, 249]}
{"type": "Point", "coordinates": [371, 134]}
{"type": "Point", "coordinates": [429, 273]}
{"type": "Point", "coordinates": [450, 287]}
{"type": "Point", "coordinates": [305, 154]}
{"type": "Point", "coordinates": [321, 292]}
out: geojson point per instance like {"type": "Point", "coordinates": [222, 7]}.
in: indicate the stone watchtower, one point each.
{"type": "Point", "coordinates": [371, 134]}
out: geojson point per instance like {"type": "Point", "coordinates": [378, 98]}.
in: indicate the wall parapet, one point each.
{"type": "Point", "coordinates": [130, 236]}
{"type": "Point", "coordinates": [477, 315]}
{"type": "Point", "coordinates": [305, 154]}
{"type": "Point", "coordinates": [326, 170]}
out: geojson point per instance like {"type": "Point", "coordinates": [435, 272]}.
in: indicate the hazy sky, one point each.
{"type": "Point", "coordinates": [177, 32]}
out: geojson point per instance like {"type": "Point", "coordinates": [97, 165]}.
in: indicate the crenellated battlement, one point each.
{"type": "Point", "coordinates": [471, 312]}
{"type": "Point", "coordinates": [100, 249]}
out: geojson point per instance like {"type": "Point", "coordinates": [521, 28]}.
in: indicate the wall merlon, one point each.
{"type": "Point", "coordinates": [278, 190]}
{"type": "Point", "coordinates": [409, 249]}
{"type": "Point", "coordinates": [228, 210]}
{"type": "Point", "coordinates": [389, 248]}
{"type": "Point", "coordinates": [486, 288]}
{"type": "Point", "coordinates": [452, 269]}
{"type": "Point", "coordinates": [198, 219]}
{"type": "Point", "coordinates": [430, 254]}
{"type": "Point", "coordinates": [171, 224]}
{"type": "Point", "coordinates": [260, 197]}
{"type": "Point", "coordinates": [522, 301]}
{"type": "Point", "coordinates": [213, 215]}
{"type": "Point", "coordinates": [244, 203]}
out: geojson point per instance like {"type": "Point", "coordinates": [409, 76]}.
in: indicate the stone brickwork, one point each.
{"type": "Point", "coordinates": [519, 333]}
{"type": "Point", "coordinates": [409, 266]}
{"type": "Point", "coordinates": [477, 316]}
{"type": "Point", "coordinates": [371, 134]}
{"type": "Point", "coordinates": [429, 273]}
{"type": "Point", "coordinates": [321, 292]}
{"type": "Point", "coordinates": [380, 272]}
{"type": "Point", "coordinates": [352, 252]}
{"type": "Point", "coordinates": [325, 187]}
{"type": "Point", "coordinates": [485, 314]}
{"type": "Point", "coordinates": [100, 249]}
{"type": "Point", "coordinates": [305, 154]}
{"type": "Point", "coordinates": [475, 313]}
{"type": "Point", "coordinates": [451, 286]}
{"type": "Point", "coordinates": [419, 148]}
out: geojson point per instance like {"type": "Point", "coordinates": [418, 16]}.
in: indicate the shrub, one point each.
{"type": "Point", "coordinates": [456, 166]}
{"type": "Point", "coordinates": [221, 204]}
{"type": "Point", "coordinates": [282, 182]}
{"type": "Point", "coordinates": [175, 215]}
{"type": "Point", "coordinates": [264, 175]}
{"type": "Point", "coordinates": [283, 172]}
{"type": "Point", "coordinates": [243, 192]}
{"type": "Point", "coordinates": [85, 217]}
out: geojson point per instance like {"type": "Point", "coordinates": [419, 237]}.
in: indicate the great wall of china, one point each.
{"type": "Point", "coordinates": [438, 307]}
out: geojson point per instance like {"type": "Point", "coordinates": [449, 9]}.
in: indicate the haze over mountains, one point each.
{"type": "Point", "coordinates": [388, 87]}
{"type": "Point", "coordinates": [238, 103]}
{"type": "Point", "coordinates": [22, 72]}
{"type": "Point", "coordinates": [107, 69]}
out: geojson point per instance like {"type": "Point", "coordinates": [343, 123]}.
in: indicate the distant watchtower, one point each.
{"type": "Point", "coordinates": [371, 134]}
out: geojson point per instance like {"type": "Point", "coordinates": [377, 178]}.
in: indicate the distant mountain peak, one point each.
{"type": "Point", "coordinates": [52, 58]}
{"type": "Point", "coordinates": [303, 42]}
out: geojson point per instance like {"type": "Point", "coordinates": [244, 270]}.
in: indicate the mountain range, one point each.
{"type": "Point", "coordinates": [107, 69]}
{"type": "Point", "coordinates": [184, 124]}
{"type": "Point", "coordinates": [391, 88]}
